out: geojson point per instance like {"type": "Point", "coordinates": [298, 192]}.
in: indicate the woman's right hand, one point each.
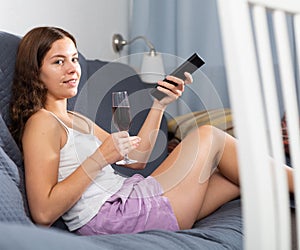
{"type": "Point", "coordinates": [116, 145]}
{"type": "Point", "coordinates": [173, 92]}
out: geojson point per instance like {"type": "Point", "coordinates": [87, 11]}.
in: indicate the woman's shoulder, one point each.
{"type": "Point", "coordinates": [42, 119]}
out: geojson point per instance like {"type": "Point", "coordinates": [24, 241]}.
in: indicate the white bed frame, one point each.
{"type": "Point", "coordinates": [255, 105]}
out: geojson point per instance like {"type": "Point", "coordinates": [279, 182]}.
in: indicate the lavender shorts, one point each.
{"type": "Point", "coordinates": [137, 206]}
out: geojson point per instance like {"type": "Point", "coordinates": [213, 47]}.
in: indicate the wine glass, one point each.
{"type": "Point", "coordinates": [122, 117]}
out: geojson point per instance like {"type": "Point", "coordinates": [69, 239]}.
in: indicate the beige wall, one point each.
{"type": "Point", "coordinates": [92, 22]}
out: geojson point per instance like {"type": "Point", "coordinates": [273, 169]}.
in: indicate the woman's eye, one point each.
{"type": "Point", "coordinates": [60, 62]}
{"type": "Point", "coordinates": [75, 59]}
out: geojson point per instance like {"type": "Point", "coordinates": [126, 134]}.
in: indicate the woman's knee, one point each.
{"type": "Point", "coordinates": [202, 134]}
{"type": "Point", "coordinates": [212, 133]}
{"type": "Point", "coordinates": [206, 129]}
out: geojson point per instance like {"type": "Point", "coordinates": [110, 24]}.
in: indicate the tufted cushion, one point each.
{"type": "Point", "coordinates": [8, 144]}
{"type": "Point", "coordinates": [12, 189]}
{"type": "Point", "coordinates": [8, 49]}
{"type": "Point", "coordinates": [12, 202]}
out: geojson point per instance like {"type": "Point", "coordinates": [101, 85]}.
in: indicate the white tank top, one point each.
{"type": "Point", "coordinates": [77, 148]}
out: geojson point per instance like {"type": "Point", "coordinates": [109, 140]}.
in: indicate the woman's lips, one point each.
{"type": "Point", "coordinates": [71, 82]}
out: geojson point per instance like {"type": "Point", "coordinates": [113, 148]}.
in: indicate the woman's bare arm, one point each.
{"type": "Point", "coordinates": [42, 140]}
{"type": "Point", "coordinates": [150, 129]}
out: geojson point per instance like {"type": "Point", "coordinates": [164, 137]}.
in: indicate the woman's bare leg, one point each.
{"type": "Point", "coordinates": [220, 190]}
{"type": "Point", "coordinates": [186, 180]}
{"type": "Point", "coordinates": [186, 174]}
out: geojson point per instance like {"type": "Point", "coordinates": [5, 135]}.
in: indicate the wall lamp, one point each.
{"type": "Point", "coordinates": [152, 68]}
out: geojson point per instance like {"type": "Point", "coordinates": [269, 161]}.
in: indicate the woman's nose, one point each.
{"type": "Point", "coordinates": [71, 67]}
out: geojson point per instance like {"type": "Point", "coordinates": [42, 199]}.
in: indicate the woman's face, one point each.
{"type": "Point", "coordinates": [60, 71]}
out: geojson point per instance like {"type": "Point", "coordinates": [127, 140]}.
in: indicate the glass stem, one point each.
{"type": "Point", "coordinates": [126, 158]}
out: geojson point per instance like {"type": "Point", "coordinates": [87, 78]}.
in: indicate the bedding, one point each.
{"type": "Point", "coordinates": [221, 230]}
{"type": "Point", "coordinates": [180, 126]}
{"type": "Point", "coordinates": [12, 206]}
{"type": "Point", "coordinates": [12, 191]}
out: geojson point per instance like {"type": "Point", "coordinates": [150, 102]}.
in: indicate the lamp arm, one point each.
{"type": "Point", "coordinates": [119, 42]}
{"type": "Point", "coordinates": [149, 44]}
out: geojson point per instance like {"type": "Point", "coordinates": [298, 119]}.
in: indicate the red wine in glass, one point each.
{"type": "Point", "coordinates": [121, 117]}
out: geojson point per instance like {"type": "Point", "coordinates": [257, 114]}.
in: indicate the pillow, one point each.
{"type": "Point", "coordinates": [8, 50]}
{"type": "Point", "coordinates": [13, 202]}
{"type": "Point", "coordinates": [180, 126]}
{"type": "Point", "coordinates": [12, 208]}
{"type": "Point", "coordinates": [9, 145]}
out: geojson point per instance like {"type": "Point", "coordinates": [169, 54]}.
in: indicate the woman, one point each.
{"type": "Point", "coordinates": [67, 157]}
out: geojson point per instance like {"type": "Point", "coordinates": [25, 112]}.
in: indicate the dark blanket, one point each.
{"type": "Point", "coordinates": [221, 230]}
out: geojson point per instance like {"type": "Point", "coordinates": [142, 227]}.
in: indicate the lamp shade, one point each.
{"type": "Point", "coordinates": [152, 68]}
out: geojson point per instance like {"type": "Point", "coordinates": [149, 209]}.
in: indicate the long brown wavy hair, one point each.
{"type": "Point", "coordinates": [28, 92]}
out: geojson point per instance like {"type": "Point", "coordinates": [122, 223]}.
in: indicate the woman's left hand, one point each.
{"type": "Point", "coordinates": [173, 92]}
